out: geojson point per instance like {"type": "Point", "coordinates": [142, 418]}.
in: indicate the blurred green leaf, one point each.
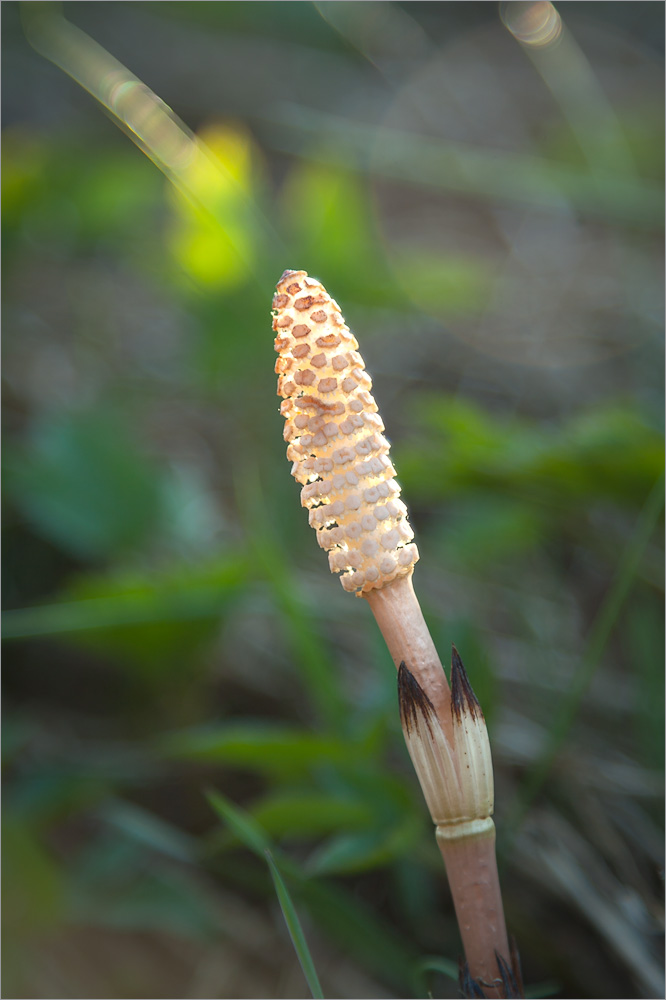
{"type": "Point", "coordinates": [298, 814]}
{"type": "Point", "coordinates": [61, 193]}
{"type": "Point", "coordinates": [158, 620]}
{"type": "Point", "coordinates": [85, 484]}
{"type": "Point", "coordinates": [609, 452]}
{"type": "Point", "coordinates": [52, 793]}
{"type": "Point", "coordinates": [150, 621]}
{"type": "Point", "coordinates": [289, 21]}
{"type": "Point", "coordinates": [642, 132]}
{"type": "Point", "coordinates": [262, 746]}
{"type": "Point", "coordinates": [33, 883]}
{"type": "Point", "coordinates": [17, 732]}
{"type": "Point", "coordinates": [295, 929]}
{"type": "Point", "coordinates": [416, 890]}
{"type": "Point", "coordinates": [453, 285]}
{"type": "Point", "coordinates": [369, 779]}
{"type": "Point", "coordinates": [149, 830]}
{"type": "Point", "coordinates": [119, 881]}
{"type": "Point", "coordinates": [157, 901]}
{"type": "Point", "coordinates": [327, 210]}
{"type": "Point", "coordinates": [24, 160]}
{"type": "Point", "coordinates": [140, 893]}
{"type": "Point", "coordinates": [34, 897]}
{"type": "Point", "coordinates": [357, 852]}
{"type": "Point", "coordinates": [111, 193]}
{"type": "Point", "coordinates": [485, 528]}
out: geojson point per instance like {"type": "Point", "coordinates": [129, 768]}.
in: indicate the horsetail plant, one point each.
{"type": "Point", "coordinates": [341, 459]}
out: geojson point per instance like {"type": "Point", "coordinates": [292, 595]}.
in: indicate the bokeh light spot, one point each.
{"type": "Point", "coordinates": [537, 24]}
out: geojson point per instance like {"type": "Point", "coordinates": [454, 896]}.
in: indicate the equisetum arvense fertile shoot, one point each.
{"type": "Point", "coordinates": [341, 458]}
{"type": "Point", "coordinates": [339, 453]}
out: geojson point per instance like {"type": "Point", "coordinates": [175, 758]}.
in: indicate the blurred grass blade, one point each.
{"type": "Point", "coordinates": [444, 966]}
{"type": "Point", "coordinates": [310, 651]}
{"type": "Point", "coordinates": [362, 933]}
{"type": "Point", "coordinates": [243, 825]}
{"type": "Point", "coordinates": [145, 118]}
{"type": "Point", "coordinates": [601, 631]}
{"type": "Point", "coordinates": [270, 748]}
{"type": "Point", "coordinates": [566, 71]}
{"type": "Point", "coordinates": [149, 830]}
{"type": "Point", "coordinates": [355, 927]}
{"type": "Point", "coordinates": [295, 929]}
{"type": "Point", "coordinates": [548, 988]}
{"type": "Point", "coordinates": [97, 613]}
{"type": "Point", "coordinates": [462, 167]}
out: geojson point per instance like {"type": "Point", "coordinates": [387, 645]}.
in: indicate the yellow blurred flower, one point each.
{"type": "Point", "coordinates": [212, 236]}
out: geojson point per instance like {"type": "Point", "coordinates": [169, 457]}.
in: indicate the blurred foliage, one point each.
{"type": "Point", "coordinates": [84, 486]}
{"type": "Point", "coordinates": [170, 626]}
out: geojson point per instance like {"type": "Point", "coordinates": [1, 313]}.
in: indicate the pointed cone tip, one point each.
{"type": "Point", "coordinates": [288, 274]}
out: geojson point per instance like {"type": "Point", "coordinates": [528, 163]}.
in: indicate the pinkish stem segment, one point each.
{"type": "Point", "coordinates": [471, 868]}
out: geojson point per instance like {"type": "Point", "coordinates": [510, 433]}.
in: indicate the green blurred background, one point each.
{"type": "Point", "coordinates": [489, 215]}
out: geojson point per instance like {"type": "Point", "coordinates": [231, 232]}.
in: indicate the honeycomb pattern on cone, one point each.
{"type": "Point", "coordinates": [335, 438]}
